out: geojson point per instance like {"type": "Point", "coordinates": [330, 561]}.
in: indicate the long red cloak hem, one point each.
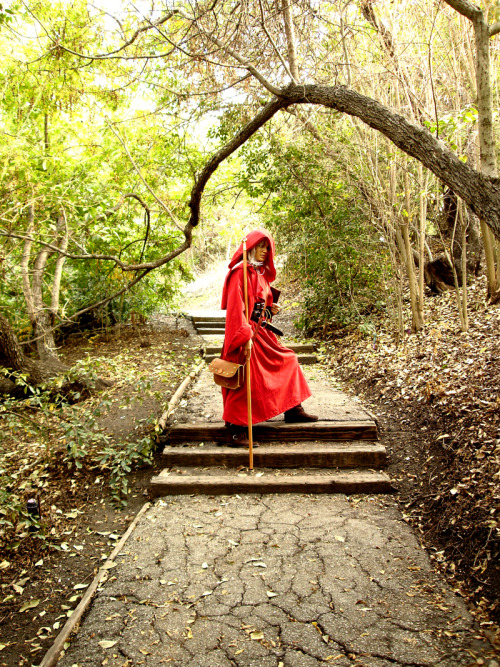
{"type": "Point", "coordinates": [278, 383]}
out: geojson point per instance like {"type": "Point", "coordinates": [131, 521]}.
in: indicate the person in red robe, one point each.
{"type": "Point", "coordinates": [278, 384]}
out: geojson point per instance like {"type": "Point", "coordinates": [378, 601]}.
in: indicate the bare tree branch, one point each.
{"type": "Point", "coordinates": [28, 238]}
{"type": "Point", "coordinates": [243, 135]}
{"type": "Point", "coordinates": [243, 61]}
{"type": "Point", "coordinates": [481, 194]}
{"type": "Point", "coordinates": [109, 258]}
{"type": "Point", "coordinates": [387, 40]}
{"type": "Point", "coordinates": [290, 40]}
{"type": "Point", "coordinates": [466, 8]}
{"type": "Point", "coordinates": [494, 29]}
{"type": "Point", "coordinates": [139, 31]}
{"type": "Point", "coordinates": [273, 44]}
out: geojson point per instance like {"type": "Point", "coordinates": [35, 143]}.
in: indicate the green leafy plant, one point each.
{"type": "Point", "coordinates": [324, 235]}
{"type": "Point", "coordinates": [119, 459]}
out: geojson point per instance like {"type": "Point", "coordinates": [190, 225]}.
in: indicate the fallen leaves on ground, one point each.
{"type": "Point", "coordinates": [439, 390]}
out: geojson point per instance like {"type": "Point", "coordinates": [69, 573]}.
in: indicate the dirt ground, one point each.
{"type": "Point", "coordinates": [83, 525]}
{"type": "Point", "coordinates": [436, 397]}
{"type": "Point", "coordinates": [79, 521]}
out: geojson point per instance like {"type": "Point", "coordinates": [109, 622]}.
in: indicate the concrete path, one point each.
{"type": "Point", "coordinates": [287, 580]}
{"type": "Point", "coordinates": [274, 581]}
{"type": "Point", "coordinates": [204, 401]}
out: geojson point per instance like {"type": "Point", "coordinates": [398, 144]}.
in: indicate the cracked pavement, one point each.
{"type": "Point", "coordinates": [275, 581]}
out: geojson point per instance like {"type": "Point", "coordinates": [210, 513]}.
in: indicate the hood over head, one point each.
{"type": "Point", "coordinates": [252, 238]}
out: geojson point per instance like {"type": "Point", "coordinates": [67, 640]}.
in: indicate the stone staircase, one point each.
{"type": "Point", "coordinates": [213, 326]}
{"type": "Point", "coordinates": [209, 325]}
{"type": "Point", "coordinates": [338, 454]}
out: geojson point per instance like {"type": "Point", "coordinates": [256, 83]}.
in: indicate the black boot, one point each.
{"type": "Point", "coordinates": [298, 415]}
{"type": "Point", "coordinates": [238, 435]}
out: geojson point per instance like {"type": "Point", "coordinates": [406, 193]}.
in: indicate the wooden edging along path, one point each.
{"type": "Point", "coordinates": [52, 656]}
{"type": "Point", "coordinates": [345, 482]}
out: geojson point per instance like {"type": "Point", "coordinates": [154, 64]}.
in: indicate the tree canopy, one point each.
{"type": "Point", "coordinates": [118, 119]}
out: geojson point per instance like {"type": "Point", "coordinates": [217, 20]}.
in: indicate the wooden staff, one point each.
{"type": "Point", "coordinates": [247, 365]}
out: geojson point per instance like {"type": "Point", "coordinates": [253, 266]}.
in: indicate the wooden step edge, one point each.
{"type": "Point", "coordinates": [207, 327]}
{"type": "Point", "coordinates": [279, 431]}
{"type": "Point", "coordinates": [208, 318]}
{"type": "Point", "coordinates": [307, 359]}
{"type": "Point", "coordinates": [210, 323]}
{"type": "Point", "coordinates": [210, 327]}
{"type": "Point", "coordinates": [335, 456]}
{"type": "Point", "coordinates": [347, 483]}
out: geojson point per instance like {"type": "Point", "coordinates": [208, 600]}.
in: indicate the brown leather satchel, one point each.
{"type": "Point", "coordinates": [227, 374]}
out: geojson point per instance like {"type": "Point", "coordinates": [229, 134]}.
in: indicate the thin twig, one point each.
{"type": "Point", "coordinates": [162, 203]}
{"type": "Point", "coordinates": [273, 44]}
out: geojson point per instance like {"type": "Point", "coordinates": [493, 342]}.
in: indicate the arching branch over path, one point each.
{"type": "Point", "coordinates": [481, 193]}
{"type": "Point", "coordinates": [243, 135]}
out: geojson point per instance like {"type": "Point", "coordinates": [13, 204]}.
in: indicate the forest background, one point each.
{"type": "Point", "coordinates": [139, 142]}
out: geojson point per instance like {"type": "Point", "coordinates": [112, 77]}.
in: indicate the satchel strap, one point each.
{"type": "Point", "coordinates": [259, 323]}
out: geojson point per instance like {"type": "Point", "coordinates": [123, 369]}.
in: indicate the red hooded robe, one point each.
{"type": "Point", "coordinates": [278, 383]}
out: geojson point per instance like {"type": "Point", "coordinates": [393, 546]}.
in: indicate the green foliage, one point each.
{"type": "Point", "coordinates": [11, 507]}
{"type": "Point", "coordinates": [58, 153]}
{"type": "Point", "coordinates": [455, 127]}
{"type": "Point", "coordinates": [119, 459]}
{"type": "Point", "coordinates": [328, 242]}
{"type": "Point", "coordinates": [6, 15]}
{"type": "Point", "coordinates": [52, 417]}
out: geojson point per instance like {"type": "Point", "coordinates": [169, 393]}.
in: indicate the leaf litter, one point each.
{"type": "Point", "coordinates": [436, 396]}
{"type": "Point", "coordinates": [74, 501]}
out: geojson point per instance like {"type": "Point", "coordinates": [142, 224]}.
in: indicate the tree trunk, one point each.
{"type": "Point", "coordinates": [290, 40]}
{"type": "Point", "coordinates": [42, 317]}
{"type": "Point", "coordinates": [13, 358]}
{"type": "Point", "coordinates": [482, 35]}
{"type": "Point", "coordinates": [486, 138]}
{"type": "Point", "coordinates": [422, 230]}
{"type": "Point", "coordinates": [62, 229]}
{"type": "Point", "coordinates": [446, 221]}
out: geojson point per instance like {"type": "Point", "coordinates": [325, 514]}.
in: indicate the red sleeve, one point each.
{"type": "Point", "coordinates": [238, 331]}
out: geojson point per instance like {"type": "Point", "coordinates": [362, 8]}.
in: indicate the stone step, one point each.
{"type": "Point", "coordinates": [305, 455]}
{"type": "Point", "coordinates": [304, 359]}
{"type": "Point", "coordinates": [210, 332]}
{"type": "Point", "coordinates": [210, 323]}
{"type": "Point", "coordinates": [298, 348]}
{"type": "Point", "coordinates": [307, 359]}
{"type": "Point", "coordinates": [229, 482]}
{"type": "Point", "coordinates": [209, 316]}
{"type": "Point", "coordinates": [277, 431]}
{"type": "Point", "coordinates": [215, 321]}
